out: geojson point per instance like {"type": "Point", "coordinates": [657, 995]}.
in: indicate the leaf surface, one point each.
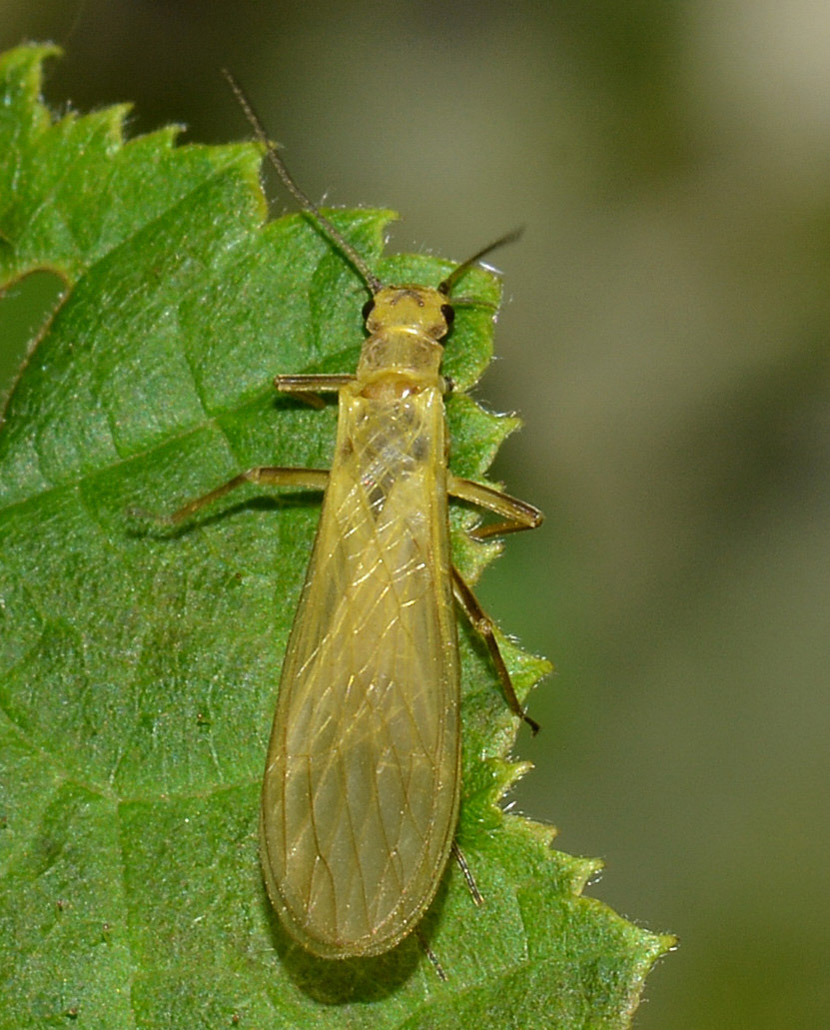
{"type": "Point", "coordinates": [139, 668]}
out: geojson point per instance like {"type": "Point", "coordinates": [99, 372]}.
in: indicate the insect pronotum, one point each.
{"type": "Point", "coordinates": [361, 790]}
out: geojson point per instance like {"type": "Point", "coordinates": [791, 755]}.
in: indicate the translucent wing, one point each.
{"type": "Point", "coordinates": [360, 797]}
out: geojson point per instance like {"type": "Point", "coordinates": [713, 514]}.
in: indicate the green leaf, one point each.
{"type": "Point", "coordinates": [138, 669]}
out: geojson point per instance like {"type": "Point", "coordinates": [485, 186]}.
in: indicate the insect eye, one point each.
{"type": "Point", "coordinates": [368, 307]}
{"type": "Point", "coordinates": [448, 311]}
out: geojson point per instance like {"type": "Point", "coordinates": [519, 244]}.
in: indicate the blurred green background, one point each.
{"type": "Point", "coordinates": [666, 337]}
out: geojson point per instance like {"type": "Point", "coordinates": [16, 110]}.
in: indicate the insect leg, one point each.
{"type": "Point", "coordinates": [314, 383]}
{"type": "Point", "coordinates": [516, 515]}
{"type": "Point", "coordinates": [472, 886]}
{"type": "Point", "coordinates": [484, 625]}
{"type": "Point", "coordinates": [310, 479]}
{"type": "Point", "coordinates": [430, 954]}
{"type": "Point", "coordinates": [305, 387]}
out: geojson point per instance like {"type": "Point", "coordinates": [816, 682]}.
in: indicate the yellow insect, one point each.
{"type": "Point", "coordinates": [362, 781]}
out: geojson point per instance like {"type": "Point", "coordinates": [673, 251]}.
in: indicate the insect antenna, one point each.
{"type": "Point", "coordinates": [446, 286]}
{"type": "Point", "coordinates": [305, 202]}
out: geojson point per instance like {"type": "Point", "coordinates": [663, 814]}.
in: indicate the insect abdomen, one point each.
{"type": "Point", "coordinates": [360, 798]}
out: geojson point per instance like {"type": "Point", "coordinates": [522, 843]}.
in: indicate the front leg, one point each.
{"type": "Point", "coordinates": [305, 386]}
